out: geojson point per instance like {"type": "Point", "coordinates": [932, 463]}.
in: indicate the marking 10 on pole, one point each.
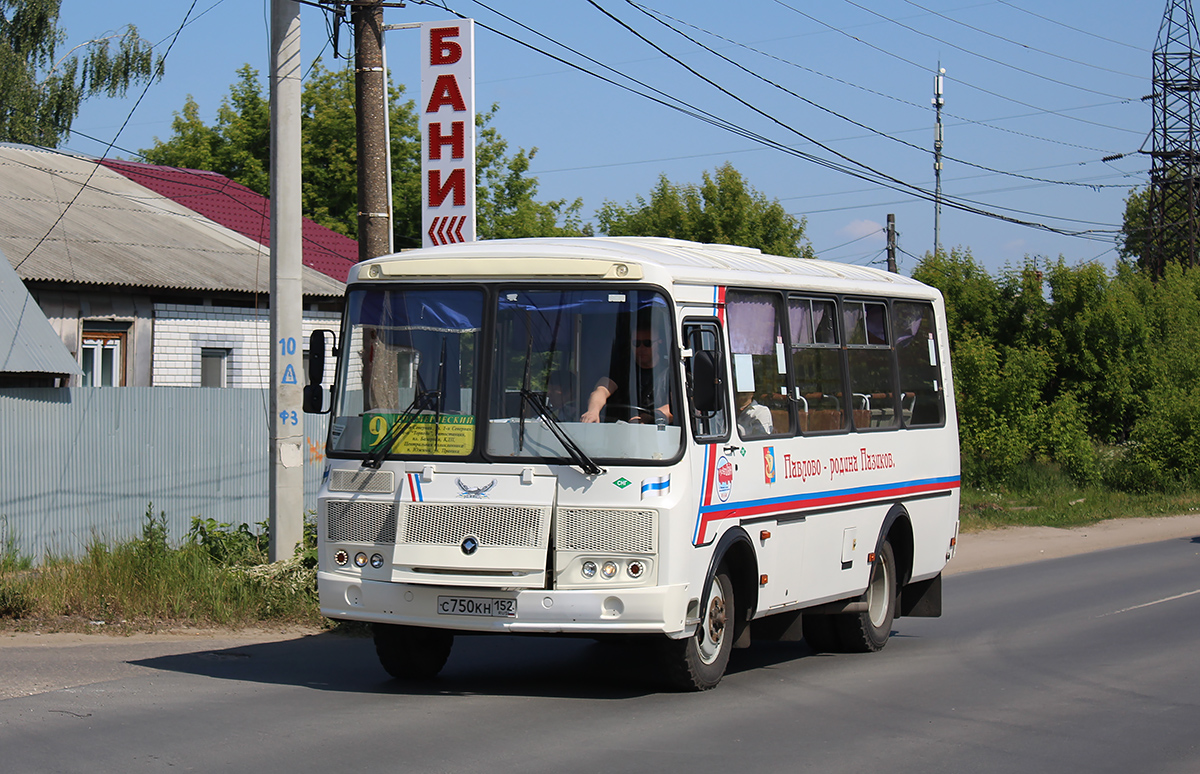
{"type": "Point", "coordinates": [447, 119]}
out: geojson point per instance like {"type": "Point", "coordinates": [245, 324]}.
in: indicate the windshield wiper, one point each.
{"type": "Point", "coordinates": [577, 454]}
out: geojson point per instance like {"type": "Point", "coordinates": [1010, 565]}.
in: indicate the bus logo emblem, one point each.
{"type": "Point", "coordinates": [622, 482]}
{"type": "Point", "coordinates": [724, 478]}
{"type": "Point", "coordinates": [474, 492]}
{"type": "Point", "coordinates": [469, 545]}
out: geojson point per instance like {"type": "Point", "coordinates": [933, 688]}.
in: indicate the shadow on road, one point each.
{"type": "Point", "coordinates": [501, 665]}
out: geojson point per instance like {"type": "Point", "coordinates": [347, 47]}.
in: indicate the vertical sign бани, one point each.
{"type": "Point", "coordinates": [447, 110]}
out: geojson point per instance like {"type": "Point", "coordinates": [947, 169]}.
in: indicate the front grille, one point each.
{"type": "Point", "coordinates": [378, 481]}
{"type": "Point", "coordinates": [492, 525]}
{"type": "Point", "coordinates": [606, 529]}
{"type": "Point", "coordinates": [360, 521]}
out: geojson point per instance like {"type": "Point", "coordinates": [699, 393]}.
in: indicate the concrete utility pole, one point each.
{"type": "Point", "coordinates": [891, 243]}
{"type": "Point", "coordinates": [374, 219]}
{"type": "Point", "coordinates": [287, 420]}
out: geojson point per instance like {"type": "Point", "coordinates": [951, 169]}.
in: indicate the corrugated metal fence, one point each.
{"type": "Point", "coordinates": [82, 462]}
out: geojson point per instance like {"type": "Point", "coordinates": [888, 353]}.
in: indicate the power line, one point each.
{"type": "Point", "coordinates": [923, 68]}
{"type": "Point", "coordinates": [834, 112]}
{"type": "Point", "coordinates": [970, 52]}
{"type": "Point", "coordinates": [1020, 44]}
{"type": "Point", "coordinates": [1069, 27]}
{"type": "Point", "coordinates": [885, 95]}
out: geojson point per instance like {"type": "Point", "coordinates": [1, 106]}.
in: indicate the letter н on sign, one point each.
{"type": "Point", "coordinates": [447, 122]}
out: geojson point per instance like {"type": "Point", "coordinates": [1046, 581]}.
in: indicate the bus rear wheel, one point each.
{"type": "Point", "coordinates": [868, 631]}
{"type": "Point", "coordinates": [698, 663]}
{"type": "Point", "coordinates": [412, 652]}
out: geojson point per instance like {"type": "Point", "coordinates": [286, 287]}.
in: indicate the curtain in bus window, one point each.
{"type": "Point", "coordinates": [752, 323]}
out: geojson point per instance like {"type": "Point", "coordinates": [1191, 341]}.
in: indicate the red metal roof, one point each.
{"type": "Point", "coordinates": [240, 209]}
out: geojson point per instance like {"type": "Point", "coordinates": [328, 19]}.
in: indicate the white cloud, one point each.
{"type": "Point", "coordinates": [863, 228]}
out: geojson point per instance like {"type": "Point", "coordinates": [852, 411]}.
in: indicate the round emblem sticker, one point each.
{"type": "Point", "coordinates": [724, 478]}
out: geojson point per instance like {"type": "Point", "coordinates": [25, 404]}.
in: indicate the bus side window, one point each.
{"type": "Point", "coordinates": [708, 401]}
{"type": "Point", "coordinates": [920, 373]}
{"type": "Point", "coordinates": [871, 364]}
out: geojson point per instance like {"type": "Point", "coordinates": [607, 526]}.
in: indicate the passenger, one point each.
{"type": "Point", "coordinates": [754, 419]}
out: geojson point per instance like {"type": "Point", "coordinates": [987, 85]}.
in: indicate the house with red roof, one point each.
{"type": "Point", "coordinates": [155, 276]}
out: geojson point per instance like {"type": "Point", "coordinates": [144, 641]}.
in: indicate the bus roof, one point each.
{"type": "Point", "coordinates": [630, 258]}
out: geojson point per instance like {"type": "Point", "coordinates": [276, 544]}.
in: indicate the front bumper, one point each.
{"type": "Point", "coordinates": [658, 609]}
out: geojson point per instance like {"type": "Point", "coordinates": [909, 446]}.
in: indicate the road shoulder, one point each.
{"type": "Point", "coordinates": [1018, 545]}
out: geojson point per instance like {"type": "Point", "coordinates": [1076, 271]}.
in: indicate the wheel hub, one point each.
{"type": "Point", "coordinates": [716, 619]}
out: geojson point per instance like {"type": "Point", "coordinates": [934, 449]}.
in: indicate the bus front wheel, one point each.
{"type": "Point", "coordinates": [698, 662]}
{"type": "Point", "coordinates": [411, 652]}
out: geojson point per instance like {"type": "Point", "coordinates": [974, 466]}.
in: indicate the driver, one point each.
{"type": "Point", "coordinates": [651, 393]}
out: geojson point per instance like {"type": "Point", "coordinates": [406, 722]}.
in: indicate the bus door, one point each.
{"type": "Point", "coordinates": [705, 372]}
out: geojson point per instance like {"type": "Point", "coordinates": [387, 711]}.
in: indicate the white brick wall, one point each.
{"type": "Point", "coordinates": [181, 331]}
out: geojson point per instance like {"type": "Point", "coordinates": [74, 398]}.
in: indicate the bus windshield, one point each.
{"type": "Point", "coordinates": [575, 374]}
{"type": "Point", "coordinates": [598, 360]}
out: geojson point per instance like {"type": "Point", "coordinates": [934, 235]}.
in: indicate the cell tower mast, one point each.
{"type": "Point", "coordinates": [1174, 200]}
{"type": "Point", "coordinates": [938, 101]}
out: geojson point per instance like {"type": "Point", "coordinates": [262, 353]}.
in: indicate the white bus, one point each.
{"type": "Point", "coordinates": [698, 444]}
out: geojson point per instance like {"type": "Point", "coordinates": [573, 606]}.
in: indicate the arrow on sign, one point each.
{"type": "Point", "coordinates": [447, 230]}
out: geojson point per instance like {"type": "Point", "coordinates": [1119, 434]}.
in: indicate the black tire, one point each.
{"type": "Point", "coordinates": [868, 631]}
{"type": "Point", "coordinates": [820, 633]}
{"type": "Point", "coordinates": [411, 652]}
{"type": "Point", "coordinates": [698, 663]}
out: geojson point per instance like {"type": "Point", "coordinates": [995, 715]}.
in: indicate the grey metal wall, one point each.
{"type": "Point", "coordinates": [87, 461]}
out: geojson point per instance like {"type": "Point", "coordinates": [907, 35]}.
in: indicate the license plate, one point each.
{"type": "Point", "coordinates": [484, 606]}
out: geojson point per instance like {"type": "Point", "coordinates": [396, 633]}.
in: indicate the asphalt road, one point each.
{"type": "Point", "coordinates": [1088, 663]}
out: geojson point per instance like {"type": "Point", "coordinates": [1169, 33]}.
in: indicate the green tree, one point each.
{"type": "Point", "coordinates": [723, 209]}
{"type": "Point", "coordinates": [973, 304]}
{"type": "Point", "coordinates": [40, 92]}
{"type": "Point", "coordinates": [505, 198]}
{"type": "Point", "coordinates": [1137, 236]}
{"type": "Point", "coordinates": [238, 146]}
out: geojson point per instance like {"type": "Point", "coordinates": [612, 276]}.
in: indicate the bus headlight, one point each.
{"type": "Point", "coordinates": [360, 559]}
{"type": "Point", "coordinates": [588, 570]}
{"type": "Point", "coordinates": [635, 569]}
{"type": "Point", "coordinates": [609, 569]}
{"type": "Point", "coordinates": [376, 561]}
{"type": "Point", "coordinates": [341, 557]}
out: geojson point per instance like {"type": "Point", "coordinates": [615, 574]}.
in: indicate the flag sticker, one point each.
{"type": "Point", "coordinates": [656, 486]}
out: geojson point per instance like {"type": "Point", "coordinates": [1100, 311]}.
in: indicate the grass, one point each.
{"type": "Point", "coordinates": [1040, 496]}
{"type": "Point", "coordinates": [217, 577]}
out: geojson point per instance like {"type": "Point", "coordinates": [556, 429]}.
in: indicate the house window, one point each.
{"type": "Point", "coordinates": [102, 358]}
{"type": "Point", "coordinates": [212, 367]}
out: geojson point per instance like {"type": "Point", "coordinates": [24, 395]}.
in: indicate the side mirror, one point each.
{"type": "Point", "coordinates": [314, 394]}
{"type": "Point", "coordinates": [316, 357]}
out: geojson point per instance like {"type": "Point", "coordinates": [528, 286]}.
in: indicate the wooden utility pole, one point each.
{"type": "Point", "coordinates": [369, 90]}
{"type": "Point", "coordinates": [891, 243]}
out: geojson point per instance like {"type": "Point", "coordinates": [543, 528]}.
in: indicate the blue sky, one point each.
{"type": "Point", "coordinates": [1036, 95]}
